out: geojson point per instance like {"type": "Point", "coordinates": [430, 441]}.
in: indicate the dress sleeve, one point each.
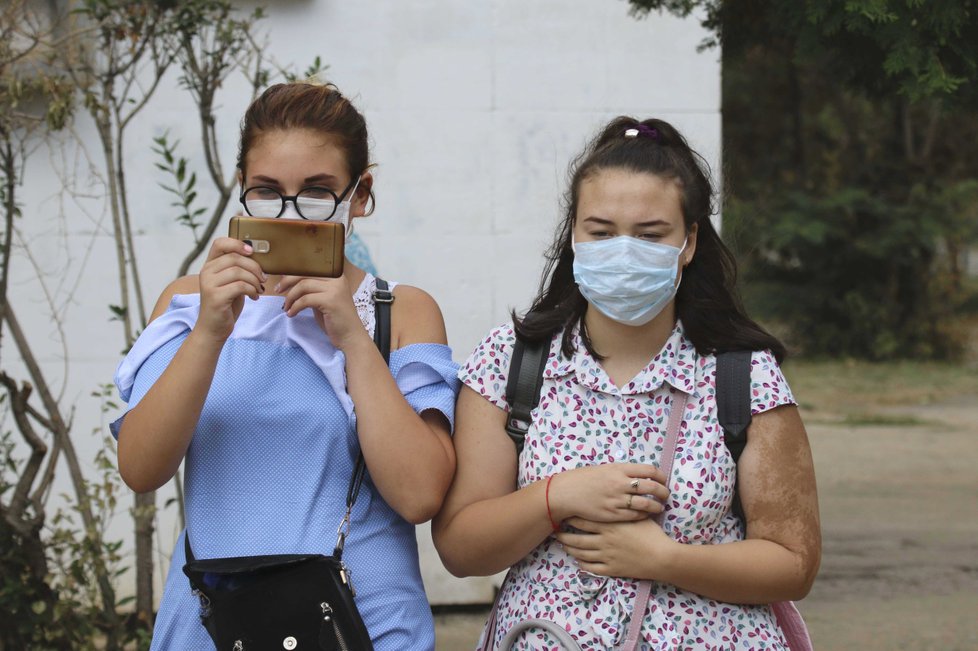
{"type": "Point", "coordinates": [768, 386]}
{"type": "Point", "coordinates": [152, 352]}
{"type": "Point", "coordinates": [146, 376]}
{"type": "Point", "coordinates": [427, 377]}
{"type": "Point", "coordinates": [487, 368]}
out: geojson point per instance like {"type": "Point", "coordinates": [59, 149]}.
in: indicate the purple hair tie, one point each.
{"type": "Point", "coordinates": [644, 130]}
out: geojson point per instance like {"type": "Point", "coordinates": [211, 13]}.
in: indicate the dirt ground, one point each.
{"type": "Point", "coordinates": [898, 492]}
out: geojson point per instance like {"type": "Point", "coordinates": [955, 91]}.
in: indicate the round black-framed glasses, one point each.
{"type": "Point", "coordinates": [312, 203]}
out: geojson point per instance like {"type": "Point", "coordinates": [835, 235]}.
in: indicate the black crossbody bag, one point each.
{"type": "Point", "coordinates": [288, 601]}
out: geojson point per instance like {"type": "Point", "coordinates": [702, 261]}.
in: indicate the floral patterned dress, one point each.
{"type": "Point", "coordinates": [583, 419]}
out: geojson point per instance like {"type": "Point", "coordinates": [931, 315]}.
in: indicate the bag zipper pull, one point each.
{"type": "Point", "coordinates": [347, 576]}
{"type": "Point", "coordinates": [205, 604]}
{"type": "Point", "coordinates": [330, 624]}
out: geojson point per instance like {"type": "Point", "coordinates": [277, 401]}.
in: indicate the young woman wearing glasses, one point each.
{"type": "Point", "coordinates": [267, 388]}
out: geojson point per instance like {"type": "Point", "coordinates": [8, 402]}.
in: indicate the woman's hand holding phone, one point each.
{"type": "Point", "coordinates": [228, 275]}
{"type": "Point", "coordinates": [331, 300]}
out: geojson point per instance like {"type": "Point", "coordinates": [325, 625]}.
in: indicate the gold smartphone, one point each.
{"type": "Point", "coordinates": [293, 247]}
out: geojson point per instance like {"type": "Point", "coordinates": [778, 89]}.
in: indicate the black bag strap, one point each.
{"type": "Point", "coordinates": [383, 297]}
{"type": "Point", "coordinates": [523, 386]}
{"type": "Point", "coordinates": [733, 407]}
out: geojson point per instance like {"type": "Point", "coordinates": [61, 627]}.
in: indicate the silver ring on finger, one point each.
{"type": "Point", "coordinates": [634, 485]}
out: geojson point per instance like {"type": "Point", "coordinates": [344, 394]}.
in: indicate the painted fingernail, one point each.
{"type": "Point", "coordinates": [278, 287]}
{"type": "Point", "coordinates": [248, 249]}
{"type": "Point", "coordinates": [262, 288]}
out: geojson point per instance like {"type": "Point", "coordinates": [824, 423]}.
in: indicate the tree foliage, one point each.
{"type": "Point", "coordinates": [850, 135]}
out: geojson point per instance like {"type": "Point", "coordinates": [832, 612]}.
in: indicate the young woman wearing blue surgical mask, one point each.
{"type": "Point", "coordinates": [636, 301]}
{"type": "Point", "coordinates": [267, 388]}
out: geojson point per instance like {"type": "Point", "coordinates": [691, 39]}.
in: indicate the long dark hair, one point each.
{"type": "Point", "coordinates": [707, 301]}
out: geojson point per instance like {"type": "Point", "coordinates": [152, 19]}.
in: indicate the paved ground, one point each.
{"type": "Point", "coordinates": [899, 505]}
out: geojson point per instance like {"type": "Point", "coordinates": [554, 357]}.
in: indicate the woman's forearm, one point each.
{"type": "Point", "coordinates": [747, 572]}
{"type": "Point", "coordinates": [489, 536]}
{"type": "Point", "coordinates": [411, 463]}
{"type": "Point", "coordinates": [156, 433]}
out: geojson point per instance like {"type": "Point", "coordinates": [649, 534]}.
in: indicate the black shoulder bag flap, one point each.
{"type": "Point", "coordinates": [288, 601]}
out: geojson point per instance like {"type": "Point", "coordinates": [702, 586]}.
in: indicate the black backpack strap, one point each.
{"type": "Point", "coordinates": [523, 386]}
{"type": "Point", "coordinates": [733, 406]}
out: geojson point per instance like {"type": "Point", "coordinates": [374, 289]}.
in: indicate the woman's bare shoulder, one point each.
{"type": "Point", "coordinates": [416, 317]}
{"type": "Point", "coordinates": [182, 285]}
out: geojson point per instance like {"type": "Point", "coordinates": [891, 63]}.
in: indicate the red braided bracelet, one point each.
{"type": "Point", "coordinates": [550, 515]}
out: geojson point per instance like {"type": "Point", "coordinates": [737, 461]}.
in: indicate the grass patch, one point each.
{"type": "Point", "coordinates": [882, 420]}
{"type": "Point", "coordinates": [861, 390]}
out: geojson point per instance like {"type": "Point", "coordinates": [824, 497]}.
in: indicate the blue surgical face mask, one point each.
{"type": "Point", "coordinates": [629, 280]}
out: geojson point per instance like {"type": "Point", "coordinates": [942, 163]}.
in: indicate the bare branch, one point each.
{"type": "Point", "coordinates": [40, 495]}
{"type": "Point", "coordinates": [127, 228]}
{"type": "Point", "coordinates": [39, 417]}
{"type": "Point", "coordinates": [61, 433]}
{"type": "Point", "coordinates": [18, 407]}
{"type": "Point", "coordinates": [257, 77]}
{"type": "Point", "coordinates": [53, 308]}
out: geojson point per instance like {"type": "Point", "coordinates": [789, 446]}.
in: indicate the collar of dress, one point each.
{"type": "Point", "coordinates": [675, 364]}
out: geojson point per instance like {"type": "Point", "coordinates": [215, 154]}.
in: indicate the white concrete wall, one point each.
{"type": "Point", "coordinates": [475, 109]}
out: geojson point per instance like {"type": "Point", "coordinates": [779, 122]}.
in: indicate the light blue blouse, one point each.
{"type": "Point", "coordinates": [269, 464]}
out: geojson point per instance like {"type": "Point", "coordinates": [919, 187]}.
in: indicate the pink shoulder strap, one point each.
{"type": "Point", "coordinates": [668, 456]}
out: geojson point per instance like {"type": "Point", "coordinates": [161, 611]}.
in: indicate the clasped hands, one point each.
{"type": "Point", "coordinates": [607, 511]}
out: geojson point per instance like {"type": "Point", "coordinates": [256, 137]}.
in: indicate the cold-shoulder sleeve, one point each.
{"type": "Point", "coordinates": [426, 376]}
{"type": "Point", "coordinates": [768, 386]}
{"type": "Point", "coordinates": [486, 369]}
{"type": "Point", "coordinates": [152, 352]}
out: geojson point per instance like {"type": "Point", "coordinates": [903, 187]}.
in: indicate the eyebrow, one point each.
{"type": "Point", "coordinates": [608, 222]}
{"type": "Point", "coordinates": [318, 178]}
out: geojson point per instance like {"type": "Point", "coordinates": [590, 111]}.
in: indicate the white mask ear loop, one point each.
{"type": "Point", "coordinates": [349, 211]}
{"type": "Point", "coordinates": [682, 267]}
{"type": "Point", "coordinates": [353, 192]}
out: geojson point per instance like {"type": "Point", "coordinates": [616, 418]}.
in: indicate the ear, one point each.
{"type": "Point", "coordinates": [358, 204]}
{"type": "Point", "coordinates": [687, 255]}
{"type": "Point", "coordinates": [240, 179]}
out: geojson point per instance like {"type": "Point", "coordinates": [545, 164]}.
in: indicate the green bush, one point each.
{"type": "Point", "coordinates": [851, 274]}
